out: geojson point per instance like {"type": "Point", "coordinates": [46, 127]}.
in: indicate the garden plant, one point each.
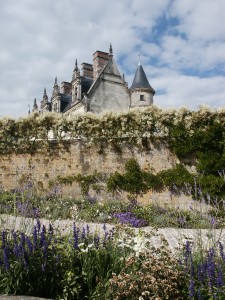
{"type": "Point", "coordinates": [120, 261]}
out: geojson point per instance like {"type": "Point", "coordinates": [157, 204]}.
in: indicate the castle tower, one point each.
{"type": "Point", "coordinates": [76, 84]}
{"type": "Point", "coordinates": [141, 91]}
{"type": "Point", "coordinates": [56, 99]}
{"type": "Point", "coordinates": [35, 106]}
{"type": "Point", "coordinates": [45, 105]}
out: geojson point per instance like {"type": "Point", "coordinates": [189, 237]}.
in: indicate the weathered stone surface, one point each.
{"type": "Point", "coordinates": [41, 168]}
{"type": "Point", "coordinates": [175, 237]}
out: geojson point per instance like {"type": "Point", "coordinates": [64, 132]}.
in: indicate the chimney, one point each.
{"type": "Point", "coordinates": [66, 87]}
{"type": "Point", "coordinates": [100, 59]}
{"type": "Point", "coordinates": [87, 70]}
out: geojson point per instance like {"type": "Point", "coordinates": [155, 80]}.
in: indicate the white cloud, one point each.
{"type": "Point", "coordinates": [41, 39]}
{"type": "Point", "coordinates": [202, 19]}
{"type": "Point", "coordinates": [179, 90]}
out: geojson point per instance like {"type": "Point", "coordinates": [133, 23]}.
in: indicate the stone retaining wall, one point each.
{"type": "Point", "coordinates": [80, 159]}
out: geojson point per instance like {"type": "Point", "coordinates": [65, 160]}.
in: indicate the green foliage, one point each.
{"type": "Point", "coordinates": [192, 135]}
{"type": "Point", "coordinates": [84, 181]}
{"type": "Point", "coordinates": [176, 176]}
{"type": "Point", "coordinates": [212, 185]}
{"type": "Point", "coordinates": [210, 162]}
{"type": "Point", "coordinates": [134, 180]}
{"type": "Point", "coordinates": [51, 266]}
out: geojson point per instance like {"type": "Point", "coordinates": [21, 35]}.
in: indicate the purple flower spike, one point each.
{"type": "Point", "coordinates": [5, 259]}
{"type": "Point", "coordinates": [75, 236]}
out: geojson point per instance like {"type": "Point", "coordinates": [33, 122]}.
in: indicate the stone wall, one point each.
{"type": "Point", "coordinates": [80, 159]}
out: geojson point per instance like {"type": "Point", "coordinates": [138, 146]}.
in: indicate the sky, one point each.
{"type": "Point", "coordinates": [180, 43]}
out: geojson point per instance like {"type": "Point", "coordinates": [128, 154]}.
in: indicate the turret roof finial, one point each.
{"type": "Point", "coordinates": [139, 59]}
{"type": "Point", "coordinates": [110, 51]}
{"type": "Point", "coordinates": [76, 65]}
{"type": "Point", "coordinates": [56, 80]}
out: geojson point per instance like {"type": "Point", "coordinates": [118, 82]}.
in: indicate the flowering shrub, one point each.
{"type": "Point", "coordinates": [205, 272]}
{"type": "Point", "coordinates": [30, 264]}
{"type": "Point", "coordinates": [129, 218]}
{"type": "Point", "coordinates": [153, 275]}
{"type": "Point", "coordinates": [196, 137]}
{"type": "Point", "coordinates": [182, 128]}
{"type": "Point", "coordinates": [111, 264]}
{"type": "Point", "coordinates": [46, 265]}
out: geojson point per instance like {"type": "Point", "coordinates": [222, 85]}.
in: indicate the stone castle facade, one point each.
{"type": "Point", "coordinates": [97, 87]}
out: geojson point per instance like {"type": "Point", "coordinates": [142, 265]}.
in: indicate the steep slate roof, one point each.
{"type": "Point", "coordinates": [86, 83]}
{"type": "Point", "coordinates": [109, 68]}
{"type": "Point", "coordinates": [66, 99]}
{"type": "Point", "coordinates": [140, 80]}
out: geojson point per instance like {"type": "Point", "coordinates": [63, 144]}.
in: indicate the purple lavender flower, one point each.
{"type": "Point", "coordinates": [191, 289]}
{"type": "Point", "coordinates": [211, 267]}
{"type": "Point", "coordinates": [181, 221]}
{"type": "Point", "coordinates": [29, 244]}
{"type": "Point", "coordinates": [220, 278]}
{"type": "Point", "coordinates": [25, 260]}
{"type": "Point", "coordinates": [50, 229]}
{"type": "Point", "coordinates": [35, 236]}
{"type": "Point", "coordinates": [22, 238]}
{"type": "Point", "coordinates": [42, 236]}
{"type": "Point", "coordinates": [96, 241]}
{"type": "Point", "coordinates": [83, 234]}
{"type": "Point", "coordinates": [88, 230]}
{"type": "Point", "coordinates": [17, 250]}
{"type": "Point", "coordinates": [6, 259]}
{"type": "Point", "coordinates": [130, 219]}
{"type": "Point", "coordinates": [36, 212]}
{"type": "Point", "coordinates": [199, 294]}
{"type": "Point", "coordinates": [221, 248]}
{"type": "Point", "coordinates": [75, 236]}
{"type": "Point", "coordinates": [4, 238]}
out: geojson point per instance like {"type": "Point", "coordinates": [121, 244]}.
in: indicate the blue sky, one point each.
{"type": "Point", "coordinates": [181, 44]}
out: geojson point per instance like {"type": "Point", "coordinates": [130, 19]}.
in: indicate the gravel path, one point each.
{"type": "Point", "coordinates": [174, 236]}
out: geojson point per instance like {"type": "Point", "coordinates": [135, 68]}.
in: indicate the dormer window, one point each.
{"type": "Point", "coordinates": [142, 98]}
{"type": "Point", "coordinates": [55, 107]}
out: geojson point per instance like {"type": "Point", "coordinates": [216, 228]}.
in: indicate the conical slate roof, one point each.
{"type": "Point", "coordinates": [140, 80]}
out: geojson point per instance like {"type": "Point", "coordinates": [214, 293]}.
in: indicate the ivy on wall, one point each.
{"type": "Point", "coordinates": [189, 134]}
{"type": "Point", "coordinates": [137, 182]}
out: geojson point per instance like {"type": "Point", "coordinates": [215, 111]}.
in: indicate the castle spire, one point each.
{"type": "Point", "coordinates": [76, 67]}
{"type": "Point", "coordinates": [110, 51]}
{"type": "Point", "coordinates": [76, 71]}
{"type": "Point", "coordinates": [35, 106]}
{"type": "Point", "coordinates": [56, 89]}
{"type": "Point", "coordinates": [45, 97]}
